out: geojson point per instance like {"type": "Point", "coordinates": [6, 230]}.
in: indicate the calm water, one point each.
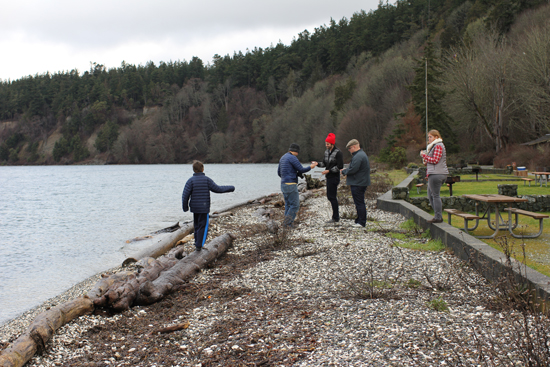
{"type": "Point", "coordinates": [62, 224]}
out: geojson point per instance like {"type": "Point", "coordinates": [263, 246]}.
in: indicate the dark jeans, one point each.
{"type": "Point", "coordinates": [358, 194]}
{"type": "Point", "coordinates": [332, 196]}
{"type": "Point", "coordinates": [200, 222]}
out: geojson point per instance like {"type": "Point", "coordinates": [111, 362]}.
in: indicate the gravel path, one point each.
{"type": "Point", "coordinates": [318, 295]}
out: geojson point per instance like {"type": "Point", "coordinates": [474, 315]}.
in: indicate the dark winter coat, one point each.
{"type": "Point", "coordinates": [358, 172]}
{"type": "Point", "coordinates": [196, 194]}
{"type": "Point", "coordinates": [333, 162]}
{"type": "Point", "coordinates": [288, 169]}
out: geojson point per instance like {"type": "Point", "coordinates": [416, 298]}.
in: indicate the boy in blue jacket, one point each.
{"type": "Point", "coordinates": [196, 195]}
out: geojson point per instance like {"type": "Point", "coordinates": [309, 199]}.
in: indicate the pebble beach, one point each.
{"type": "Point", "coordinates": [317, 295]}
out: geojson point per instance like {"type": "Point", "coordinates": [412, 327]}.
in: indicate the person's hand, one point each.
{"type": "Point", "coordinates": [325, 172]}
{"type": "Point", "coordinates": [313, 164]}
{"type": "Point", "coordinates": [422, 152]}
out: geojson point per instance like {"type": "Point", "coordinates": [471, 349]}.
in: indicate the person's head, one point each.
{"type": "Point", "coordinates": [294, 149]}
{"type": "Point", "coordinates": [198, 166]}
{"type": "Point", "coordinates": [330, 141]}
{"type": "Point", "coordinates": [432, 135]}
{"type": "Point", "coordinates": [353, 145]}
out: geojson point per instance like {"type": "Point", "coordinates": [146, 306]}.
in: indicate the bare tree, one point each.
{"type": "Point", "coordinates": [480, 83]}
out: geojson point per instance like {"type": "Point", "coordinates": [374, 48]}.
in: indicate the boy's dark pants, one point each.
{"type": "Point", "coordinates": [332, 196]}
{"type": "Point", "coordinates": [200, 221]}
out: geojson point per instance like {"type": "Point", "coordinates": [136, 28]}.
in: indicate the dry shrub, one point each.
{"type": "Point", "coordinates": [530, 157]}
{"type": "Point", "coordinates": [379, 184]}
{"type": "Point", "coordinates": [486, 158]}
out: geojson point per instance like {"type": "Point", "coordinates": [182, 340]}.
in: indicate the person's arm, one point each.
{"type": "Point", "coordinates": [353, 167]}
{"type": "Point", "coordinates": [298, 166]}
{"type": "Point", "coordinates": [219, 189]}
{"type": "Point", "coordinates": [185, 196]}
{"type": "Point", "coordinates": [438, 153]}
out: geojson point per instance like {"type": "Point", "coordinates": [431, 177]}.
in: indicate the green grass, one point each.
{"type": "Point", "coordinates": [438, 304]}
{"type": "Point", "coordinates": [396, 175]}
{"type": "Point", "coordinates": [410, 238]}
{"type": "Point", "coordinates": [485, 187]}
{"type": "Point", "coordinates": [537, 250]}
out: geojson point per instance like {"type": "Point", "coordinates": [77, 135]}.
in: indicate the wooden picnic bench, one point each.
{"type": "Point", "coordinates": [419, 187]}
{"type": "Point", "coordinates": [527, 180]}
{"type": "Point", "coordinates": [517, 212]}
{"type": "Point", "coordinates": [466, 216]}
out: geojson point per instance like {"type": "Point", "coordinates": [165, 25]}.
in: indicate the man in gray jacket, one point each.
{"type": "Point", "coordinates": [358, 178]}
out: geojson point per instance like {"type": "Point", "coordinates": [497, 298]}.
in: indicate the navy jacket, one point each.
{"type": "Point", "coordinates": [196, 194]}
{"type": "Point", "coordinates": [358, 171]}
{"type": "Point", "coordinates": [288, 168]}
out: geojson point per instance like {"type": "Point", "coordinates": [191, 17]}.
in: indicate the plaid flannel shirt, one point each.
{"type": "Point", "coordinates": [438, 152]}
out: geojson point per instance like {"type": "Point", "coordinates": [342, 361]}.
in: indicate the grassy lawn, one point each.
{"type": "Point", "coordinates": [396, 175]}
{"type": "Point", "coordinates": [485, 187]}
{"type": "Point", "coordinates": [537, 250]}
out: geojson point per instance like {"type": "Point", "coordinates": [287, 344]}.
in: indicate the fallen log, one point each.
{"type": "Point", "coordinates": [121, 295]}
{"type": "Point", "coordinates": [42, 329]}
{"type": "Point", "coordinates": [105, 283]}
{"type": "Point", "coordinates": [163, 245]}
{"type": "Point", "coordinates": [152, 291]}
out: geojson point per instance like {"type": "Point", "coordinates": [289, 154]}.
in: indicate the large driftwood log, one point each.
{"type": "Point", "coordinates": [121, 295]}
{"type": "Point", "coordinates": [163, 245]}
{"type": "Point", "coordinates": [42, 329]}
{"type": "Point", "coordinates": [152, 291]}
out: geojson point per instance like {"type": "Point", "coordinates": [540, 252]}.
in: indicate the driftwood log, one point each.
{"type": "Point", "coordinates": [176, 276]}
{"type": "Point", "coordinates": [156, 278]}
{"type": "Point", "coordinates": [121, 294]}
{"type": "Point", "coordinates": [163, 245]}
{"type": "Point", "coordinates": [42, 329]}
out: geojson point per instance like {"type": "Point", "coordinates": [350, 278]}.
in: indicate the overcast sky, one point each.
{"type": "Point", "coordinates": [60, 35]}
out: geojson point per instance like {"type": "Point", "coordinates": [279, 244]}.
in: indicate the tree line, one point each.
{"type": "Point", "coordinates": [355, 77]}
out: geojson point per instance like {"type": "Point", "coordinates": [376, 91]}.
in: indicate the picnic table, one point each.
{"type": "Point", "coordinates": [540, 175]}
{"type": "Point", "coordinates": [493, 201]}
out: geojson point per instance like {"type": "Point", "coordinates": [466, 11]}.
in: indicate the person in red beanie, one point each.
{"type": "Point", "coordinates": [333, 162]}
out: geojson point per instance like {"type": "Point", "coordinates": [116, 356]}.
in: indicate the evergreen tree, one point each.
{"type": "Point", "coordinates": [428, 73]}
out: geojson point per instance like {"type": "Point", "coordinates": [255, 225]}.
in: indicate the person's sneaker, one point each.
{"type": "Point", "coordinates": [435, 221]}
{"type": "Point", "coordinates": [332, 221]}
{"type": "Point", "coordinates": [198, 248]}
{"type": "Point", "coordinates": [357, 225]}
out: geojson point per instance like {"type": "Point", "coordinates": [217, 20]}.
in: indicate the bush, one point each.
{"type": "Point", "coordinates": [530, 157]}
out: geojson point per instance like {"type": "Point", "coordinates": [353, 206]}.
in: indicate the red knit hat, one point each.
{"type": "Point", "coordinates": [331, 139]}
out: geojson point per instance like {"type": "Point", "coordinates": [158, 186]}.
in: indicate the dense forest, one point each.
{"type": "Point", "coordinates": [486, 62]}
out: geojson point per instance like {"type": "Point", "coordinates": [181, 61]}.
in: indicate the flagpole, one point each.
{"type": "Point", "coordinates": [426, 84]}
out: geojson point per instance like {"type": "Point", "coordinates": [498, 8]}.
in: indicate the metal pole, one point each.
{"type": "Point", "coordinates": [426, 83]}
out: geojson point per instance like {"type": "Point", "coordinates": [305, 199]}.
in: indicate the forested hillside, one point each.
{"type": "Point", "coordinates": [488, 72]}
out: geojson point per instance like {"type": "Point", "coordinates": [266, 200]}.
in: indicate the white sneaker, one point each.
{"type": "Point", "coordinates": [357, 225]}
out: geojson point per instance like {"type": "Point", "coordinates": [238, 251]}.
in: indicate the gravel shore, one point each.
{"type": "Point", "coordinates": [317, 295]}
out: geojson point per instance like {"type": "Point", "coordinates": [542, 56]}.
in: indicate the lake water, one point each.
{"type": "Point", "coordinates": [62, 224]}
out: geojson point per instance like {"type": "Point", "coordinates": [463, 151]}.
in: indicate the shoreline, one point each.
{"type": "Point", "coordinates": [296, 300]}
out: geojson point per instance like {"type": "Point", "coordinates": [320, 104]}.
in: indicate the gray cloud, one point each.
{"type": "Point", "coordinates": [106, 27]}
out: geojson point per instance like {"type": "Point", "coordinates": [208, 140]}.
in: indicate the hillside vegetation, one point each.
{"type": "Point", "coordinates": [488, 72]}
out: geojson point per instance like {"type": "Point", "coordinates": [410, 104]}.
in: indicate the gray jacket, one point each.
{"type": "Point", "coordinates": [358, 172]}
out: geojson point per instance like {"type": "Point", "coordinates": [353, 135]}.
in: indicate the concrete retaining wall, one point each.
{"type": "Point", "coordinates": [485, 259]}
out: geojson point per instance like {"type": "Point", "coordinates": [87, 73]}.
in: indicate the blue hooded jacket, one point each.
{"type": "Point", "coordinates": [196, 194]}
{"type": "Point", "coordinates": [288, 168]}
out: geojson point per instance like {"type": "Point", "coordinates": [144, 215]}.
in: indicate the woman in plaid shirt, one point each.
{"type": "Point", "coordinates": [435, 158]}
